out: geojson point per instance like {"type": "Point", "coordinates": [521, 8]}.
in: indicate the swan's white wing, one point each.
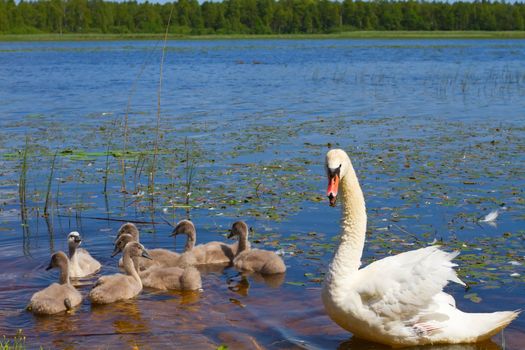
{"type": "Point", "coordinates": [400, 293]}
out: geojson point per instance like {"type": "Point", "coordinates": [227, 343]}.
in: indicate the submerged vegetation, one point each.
{"type": "Point", "coordinates": [255, 16]}
{"type": "Point", "coordinates": [276, 190]}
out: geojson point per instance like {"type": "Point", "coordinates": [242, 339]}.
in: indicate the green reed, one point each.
{"type": "Point", "coordinates": [17, 343]}
{"type": "Point", "coordinates": [49, 183]}
{"type": "Point", "coordinates": [22, 180]}
{"type": "Point", "coordinates": [126, 117]}
{"type": "Point", "coordinates": [22, 192]}
{"type": "Point", "coordinates": [189, 170]}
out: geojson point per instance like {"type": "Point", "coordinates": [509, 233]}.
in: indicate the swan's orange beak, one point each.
{"type": "Point", "coordinates": [333, 186]}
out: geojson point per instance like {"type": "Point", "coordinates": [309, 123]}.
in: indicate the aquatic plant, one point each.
{"type": "Point", "coordinates": [189, 172]}
{"type": "Point", "coordinates": [49, 182]}
{"type": "Point", "coordinates": [18, 342]}
{"type": "Point", "coordinates": [126, 118]}
{"type": "Point", "coordinates": [151, 185]}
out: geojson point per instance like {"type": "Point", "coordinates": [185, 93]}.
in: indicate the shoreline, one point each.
{"type": "Point", "coordinates": [343, 35]}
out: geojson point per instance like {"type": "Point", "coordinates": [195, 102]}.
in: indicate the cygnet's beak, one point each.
{"type": "Point", "coordinates": [145, 254]}
{"type": "Point", "coordinates": [77, 239]}
{"type": "Point", "coordinates": [231, 234]}
{"type": "Point", "coordinates": [49, 267]}
{"type": "Point", "coordinates": [116, 250]}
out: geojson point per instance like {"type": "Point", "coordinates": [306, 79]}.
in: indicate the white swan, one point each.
{"type": "Point", "coordinates": [399, 300]}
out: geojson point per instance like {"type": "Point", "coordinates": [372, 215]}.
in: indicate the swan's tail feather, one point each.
{"type": "Point", "coordinates": [493, 323]}
{"type": "Point", "coordinates": [464, 327]}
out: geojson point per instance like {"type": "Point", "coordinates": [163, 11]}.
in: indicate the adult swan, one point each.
{"type": "Point", "coordinates": [399, 300]}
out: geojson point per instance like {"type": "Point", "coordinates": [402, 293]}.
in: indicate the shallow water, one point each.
{"type": "Point", "coordinates": [435, 129]}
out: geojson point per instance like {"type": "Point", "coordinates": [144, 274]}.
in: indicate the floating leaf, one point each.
{"type": "Point", "coordinates": [473, 297]}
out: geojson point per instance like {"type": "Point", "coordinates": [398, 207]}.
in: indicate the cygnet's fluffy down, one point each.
{"type": "Point", "coordinates": [202, 254]}
{"type": "Point", "coordinates": [58, 297]}
{"type": "Point", "coordinates": [159, 257]}
{"type": "Point", "coordinates": [81, 263]}
{"type": "Point", "coordinates": [109, 289]}
{"type": "Point", "coordinates": [254, 260]}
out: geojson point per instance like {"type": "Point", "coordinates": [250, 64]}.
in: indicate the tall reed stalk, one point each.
{"type": "Point", "coordinates": [112, 128]}
{"type": "Point", "coordinates": [189, 171]}
{"type": "Point", "coordinates": [159, 93]}
{"type": "Point", "coordinates": [174, 195]}
{"type": "Point", "coordinates": [22, 181]}
{"type": "Point", "coordinates": [49, 183]}
{"type": "Point", "coordinates": [126, 118]}
{"type": "Point", "coordinates": [22, 192]}
{"type": "Point", "coordinates": [139, 166]}
{"type": "Point", "coordinates": [106, 170]}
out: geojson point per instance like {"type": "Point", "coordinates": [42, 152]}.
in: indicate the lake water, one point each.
{"type": "Point", "coordinates": [435, 129]}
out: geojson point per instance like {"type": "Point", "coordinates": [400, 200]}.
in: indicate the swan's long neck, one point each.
{"type": "Point", "coordinates": [347, 258]}
{"type": "Point", "coordinates": [190, 241]}
{"type": "Point", "coordinates": [135, 234]}
{"type": "Point", "coordinates": [64, 273]}
{"type": "Point", "coordinates": [73, 257]}
{"type": "Point", "coordinates": [129, 266]}
{"type": "Point", "coordinates": [71, 250]}
{"type": "Point", "coordinates": [243, 243]}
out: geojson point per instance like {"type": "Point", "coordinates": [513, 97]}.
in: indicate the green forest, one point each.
{"type": "Point", "coordinates": [255, 16]}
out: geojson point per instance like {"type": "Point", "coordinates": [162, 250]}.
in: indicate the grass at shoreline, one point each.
{"type": "Point", "coordinates": [342, 35]}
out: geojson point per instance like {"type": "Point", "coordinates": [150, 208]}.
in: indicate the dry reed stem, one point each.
{"type": "Point", "coordinates": [159, 92]}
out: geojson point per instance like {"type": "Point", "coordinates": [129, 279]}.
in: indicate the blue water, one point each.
{"type": "Point", "coordinates": [435, 129]}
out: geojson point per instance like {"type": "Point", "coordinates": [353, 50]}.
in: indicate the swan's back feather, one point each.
{"type": "Point", "coordinates": [406, 282]}
{"type": "Point", "coordinates": [86, 262]}
{"type": "Point", "coordinates": [391, 292]}
{"type": "Point", "coordinates": [402, 299]}
{"type": "Point", "coordinates": [171, 278]}
{"type": "Point", "coordinates": [114, 288]}
{"type": "Point", "coordinates": [52, 299]}
{"type": "Point", "coordinates": [160, 257]}
{"type": "Point", "coordinates": [258, 260]}
{"type": "Point", "coordinates": [213, 253]}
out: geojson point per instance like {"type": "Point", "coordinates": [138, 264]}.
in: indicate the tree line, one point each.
{"type": "Point", "coordinates": [255, 16]}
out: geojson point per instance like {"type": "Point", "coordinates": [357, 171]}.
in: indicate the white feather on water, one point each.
{"type": "Point", "coordinates": [490, 217]}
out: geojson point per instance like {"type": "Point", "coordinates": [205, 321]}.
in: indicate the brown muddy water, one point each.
{"type": "Point", "coordinates": [435, 129]}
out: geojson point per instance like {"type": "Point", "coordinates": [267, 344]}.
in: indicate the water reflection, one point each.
{"type": "Point", "coordinates": [242, 286]}
{"type": "Point", "coordinates": [217, 269]}
{"type": "Point", "coordinates": [51, 232]}
{"type": "Point", "coordinates": [273, 281]}
{"type": "Point", "coordinates": [359, 344]}
{"type": "Point", "coordinates": [57, 324]}
{"type": "Point", "coordinates": [125, 316]}
{"type": "Point", "coordinates": [189, 297]}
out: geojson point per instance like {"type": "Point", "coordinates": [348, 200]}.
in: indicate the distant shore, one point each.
{"type": "Point", "coordinates": [342, 35]}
